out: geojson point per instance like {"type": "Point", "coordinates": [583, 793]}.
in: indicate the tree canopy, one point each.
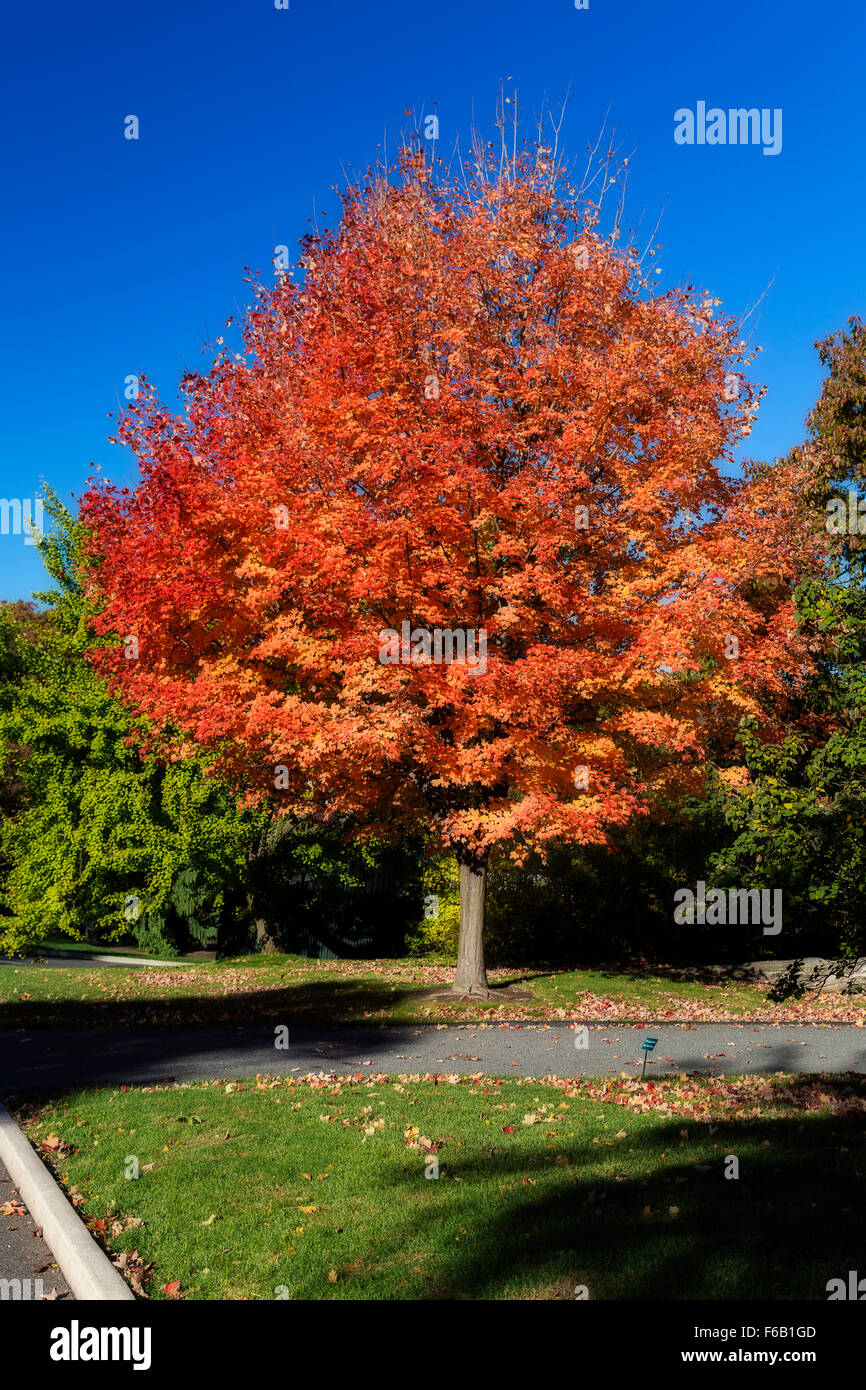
{"type": "Point", "coordinates": [471, 414]}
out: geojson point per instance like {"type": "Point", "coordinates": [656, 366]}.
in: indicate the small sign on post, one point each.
{"type": "Point", "coordinates": [646, 1049]}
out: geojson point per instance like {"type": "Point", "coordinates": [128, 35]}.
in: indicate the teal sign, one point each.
{"type": "Point", "coordinates": [646, 1049]}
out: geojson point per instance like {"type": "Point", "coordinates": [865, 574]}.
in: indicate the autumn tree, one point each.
{"type": "Point", "coordinates": [470, 413]}
{"type": "Point", "coordinates": [800, 816]}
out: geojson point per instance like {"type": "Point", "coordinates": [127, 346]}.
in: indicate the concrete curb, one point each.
{"type": "Point", "coordinates": [88, 1271]}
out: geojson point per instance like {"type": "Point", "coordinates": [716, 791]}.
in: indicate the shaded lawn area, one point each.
{"type": "Point", "coordinates": [316, 1188]}
{"type": "Point", "coordinates": [249, 988]}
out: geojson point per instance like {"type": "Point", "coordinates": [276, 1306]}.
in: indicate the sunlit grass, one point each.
{"type": "Point", "coordinates": [313, 1192]}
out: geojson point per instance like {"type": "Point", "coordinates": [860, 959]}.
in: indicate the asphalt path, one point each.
{"type": "Point", "coordinates": [59, 1059]}
{"type": "Point", "coordinates": [79, 962]}
{"type": "Point", "coordinates": [24, 1256]}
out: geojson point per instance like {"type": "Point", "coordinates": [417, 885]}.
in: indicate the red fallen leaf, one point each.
{"type": "Point", "coordinates": [52, 1142]}
{"type": "Point", "coordinates": [506, 1129]}
{"type": "Point", "coordinates": [648, 1211]}
{"type": "Point", "coordinates": [172, 1289]}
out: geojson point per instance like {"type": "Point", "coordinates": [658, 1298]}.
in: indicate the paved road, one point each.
{"type": "Point", "coordinates": [61, 1058]}
{"type": "Point", "coordinates": [24, 1256]}
{"type": "Point", "coordinates": [79, 962]}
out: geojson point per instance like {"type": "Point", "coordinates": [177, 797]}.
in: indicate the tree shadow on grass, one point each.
{"type": "Point", "coordinates": [794, 1219]}
{"type": "Point", "coordinates": [334, 999]}
{"type": "Point", "coordinates": [319, 1001]}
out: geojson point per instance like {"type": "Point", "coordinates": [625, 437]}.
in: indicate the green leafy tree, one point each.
{"type": "Point", "coordinates": [800, 821]}
{"type": "Point", "coordinates": [97, 839]}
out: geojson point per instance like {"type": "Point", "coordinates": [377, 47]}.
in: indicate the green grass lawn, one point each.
{"type": "Point", "coordinates": [359, 991]}
{"type": "Point", "coordinates": [316, 1189]}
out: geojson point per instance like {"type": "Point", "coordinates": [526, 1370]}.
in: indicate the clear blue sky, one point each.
{"type": "Point", "coordinates": [121, 257]}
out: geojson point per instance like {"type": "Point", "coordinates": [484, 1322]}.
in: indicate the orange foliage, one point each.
{"type": "Point", "coordinates": [408, 437]}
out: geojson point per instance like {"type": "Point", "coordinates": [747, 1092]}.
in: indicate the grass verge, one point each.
{"type": "Point", "coordinates": [395, 991]}
{"type": "Point", "coordinates": [317, 1188]}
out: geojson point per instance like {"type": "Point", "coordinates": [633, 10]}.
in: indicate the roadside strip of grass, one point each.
{"type": "Point", "coordinates": [249, 988]}
{"type": "Point", "coordinates": [324, 1187]}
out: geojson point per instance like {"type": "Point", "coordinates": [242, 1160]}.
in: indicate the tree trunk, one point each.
{"type": "Point", "coordinates": [264, 940]}
{"type": "Point", "coordinates": [471, 978]}
{"type": "Point", "coordinates": [259, 899]}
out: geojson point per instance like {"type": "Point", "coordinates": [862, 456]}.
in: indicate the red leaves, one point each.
{"type": "Point", "coordinates": [408, 438]}
{"type": "Point", "coordinates": [134, 1268]}
{"type": "Point", "coordinates": [702, 1098]}
{"type": "Point", "coordinates": [54, 1145]}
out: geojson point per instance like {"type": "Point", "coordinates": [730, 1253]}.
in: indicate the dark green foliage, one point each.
{"type": "Point", "coordinates": [189, 919]}
{"type": "Point", "coordinates": [327, 895]}
{"type": "Point", "coordinates": [590, 904]}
